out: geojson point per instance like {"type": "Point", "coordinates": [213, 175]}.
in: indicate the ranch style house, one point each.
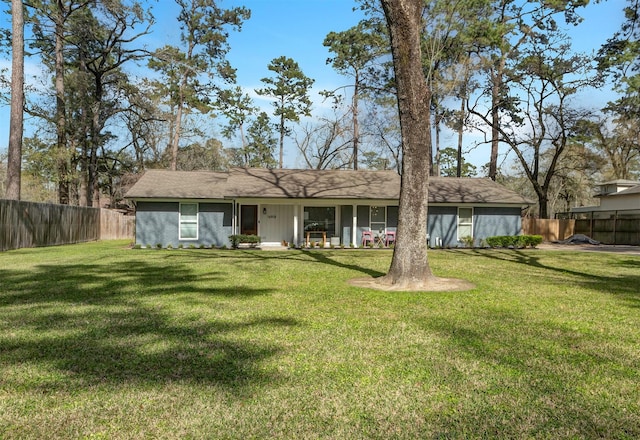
{"type": "Point", "coordinates": [289, 206]}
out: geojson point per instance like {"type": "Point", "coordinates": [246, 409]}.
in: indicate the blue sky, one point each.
{"type": "Point", "coordinates": [297, 28]}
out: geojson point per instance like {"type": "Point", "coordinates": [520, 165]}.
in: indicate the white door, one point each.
{"type": "Point", "coordinates": [276, 224]}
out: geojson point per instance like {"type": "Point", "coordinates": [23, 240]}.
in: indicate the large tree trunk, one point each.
{"type": "Point", "coordinates": [14, 161]}
{"type": "Point", "coordinates": [460, 137]}
{"type": "Point", "coordinates": [61, 116]}
{"type": "Point", "coordinates": [177, 128]}
{"type": "Point", "coordinates": [409, 266]}
{"type": "Point", "coordinates": [282, 130]}
{"type": "Point", "coordinates": [495, 133]}
{"type": "Point", "coordinates": [356, 127]}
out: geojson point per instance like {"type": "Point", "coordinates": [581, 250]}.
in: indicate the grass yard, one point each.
{"type": "Point", "coordinates": [101, 341]}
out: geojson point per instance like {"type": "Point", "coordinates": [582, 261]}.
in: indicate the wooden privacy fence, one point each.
{"type": "Point", "coordinates": [28, 224]}
{"type": "Point", "coordinates": [549, 229]}
{"type": "Point", "coordinates": [610, 227]}
{"type": "Point", "coordinates": [114, 225]}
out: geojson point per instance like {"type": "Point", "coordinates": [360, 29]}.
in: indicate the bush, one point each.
{"type": "Point", "coordinates": [514, 241]}
{"type": "Point", "coordinates": [467, 241]}
{"type": "Point", "coordinates": [244, 238]}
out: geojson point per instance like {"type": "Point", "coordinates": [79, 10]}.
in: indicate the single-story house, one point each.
{"type": "Point", "coordinates": [293, 206]}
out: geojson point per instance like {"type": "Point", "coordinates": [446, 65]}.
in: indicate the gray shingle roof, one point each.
{"type": "Point", "coordinates": [179, 185]}
{"type": "Point", "coordinates": [323, 184]}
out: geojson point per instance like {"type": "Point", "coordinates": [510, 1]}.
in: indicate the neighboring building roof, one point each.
{"type": "Point", "coordinates": [614, 186]}
{"type": "Point", "coordinates": [626, 192]}
{"type": "Point", "coordinates": [309, 184]}
{"type": "Point", "coordinates": [624, 182]}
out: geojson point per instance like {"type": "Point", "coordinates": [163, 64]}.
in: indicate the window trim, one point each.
{"type": "Point", "coordinates": [181, 221]}
{"type": "Point", "coordinates": [305, 218]}
{"type": "Point", "coordinates": [459, 223]}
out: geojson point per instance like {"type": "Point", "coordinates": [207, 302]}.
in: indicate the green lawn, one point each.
{"type": "Point", "coordinates": [101, 341]}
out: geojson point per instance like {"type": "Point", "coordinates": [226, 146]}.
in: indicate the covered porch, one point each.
{"type": "Point", "coordinates": [323, 222]}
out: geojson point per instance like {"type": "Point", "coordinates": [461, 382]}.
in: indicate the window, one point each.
{"type": "Point", "coordinates": [378, 222]}
{"type": "Point", "coordinates": [188, 221]}
{"type": "Point", "coordinates": [320, 218]}
{"type": "Point", "coordinates": [465, 223]}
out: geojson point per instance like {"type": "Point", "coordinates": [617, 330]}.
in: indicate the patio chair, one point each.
{"type": "Point", "coordinates": [367, 236]}
{"type": "Point", "coordinates": [390, 237]}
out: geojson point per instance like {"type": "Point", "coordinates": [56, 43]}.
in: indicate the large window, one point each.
{"type": "Point", "coordinates": [188, 221]}
{"type": "Point", "coordinates": [465, 223]}
{"type": "Point", "coordinates": [320, 218]}
{"type": "Point", "coordinates": [378, 220]}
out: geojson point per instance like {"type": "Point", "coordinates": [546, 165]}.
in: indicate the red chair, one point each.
{"type": "Point", "coordinates": [367, 236]}
{"type": "Point", "coordinates": [390, 237]}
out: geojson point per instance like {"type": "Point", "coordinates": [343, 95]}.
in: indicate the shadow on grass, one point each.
{"type": "Point", "coordinates": [573, 270]}
{"type": "Point", "coordinates": [548, 365]}
{"type": "Point", "coordinates": [309, 256]}
{"type": "Point", "coordinates": [116, 324]}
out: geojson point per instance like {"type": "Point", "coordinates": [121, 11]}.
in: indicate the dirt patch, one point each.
{"type": "Point", "coordinates": [432, 285]}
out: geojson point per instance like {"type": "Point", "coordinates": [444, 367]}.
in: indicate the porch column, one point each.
{"type": "Point", "coordinates": [296, 217]}
{"type": "Point", "coordinates": [354, 226]}
{"type": "Point", "coordinates": [234, 220]}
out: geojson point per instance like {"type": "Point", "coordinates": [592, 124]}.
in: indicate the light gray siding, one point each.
{"type": "Point", "coordinates": [215, 224]}
{"type": "Point", "coordinates": [346, 218]}
{"type": "Point", "coordinates": [157, 223]}
{"type": "Point", "coordinates": [489, 222]}
{"type": "Point", "coordinates": [442, 225]}
{"type": "Point", "coordinates": [363, 222]}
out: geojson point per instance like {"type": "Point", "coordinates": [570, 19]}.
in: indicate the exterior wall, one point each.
{"type": "Point", "coordinates": [392, 218]}
{"type": "Point", "coordinates": [363, 222]}
{"type": "Point", "coordinates": [488, 222]}
{"type": "Point", "coordinates": [620, 202]}
{"type": "Point", "coordinates": [215, 224]}
{"type": "Point", "coordinates": [346, 224]}
{"type": "Point", "coordinates": [157, 223]}
{"type": "Point", "coordinates": [276, 223]}
{"type": "Point", "coordinates": [442, 225]}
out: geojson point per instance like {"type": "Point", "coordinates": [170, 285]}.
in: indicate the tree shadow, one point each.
{"type": "Point", "coordinates": [307, 256]}
{"type": "Point", "coordinates": [624, 286]}
{"type": "Point", "coordinates": [113, 324]}
{"type": "Point", "coordinates": [544, 359]}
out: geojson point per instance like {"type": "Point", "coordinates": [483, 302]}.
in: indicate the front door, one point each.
{"type": "Point", "coordinates": [249, 219]}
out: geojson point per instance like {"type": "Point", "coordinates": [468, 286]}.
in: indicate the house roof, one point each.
{"type": "Point", "coordinates": [179, 184]}
{"type": "Point", "coordinates": [624, 182]}
{"type": "Point", "coordinates": [312, 184]}
{"type": "Point", "coordinates": [626, 192]}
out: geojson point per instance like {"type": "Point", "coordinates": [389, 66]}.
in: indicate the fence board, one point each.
{"type": "Point", "coordinates": [549, 229]}
{"type": "Point", "coordinates": [610, 227]}
{"type": "Point", "coordinates": [114, 225]}
{"type": "Point", "coordinates": [28, 224]}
